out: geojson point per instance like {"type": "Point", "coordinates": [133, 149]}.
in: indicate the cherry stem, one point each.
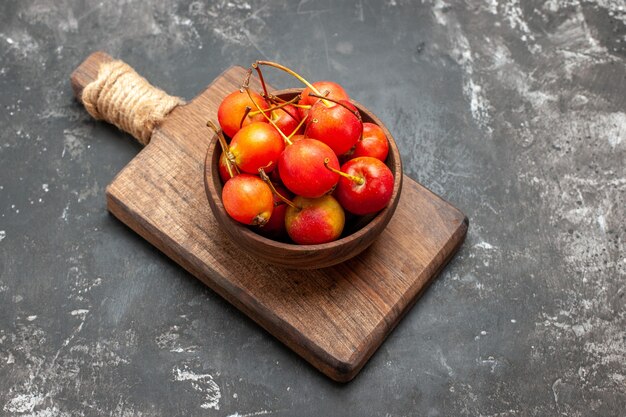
{"type": "Point", "coordinates": [230, 158]}
{"type": "Point", "coordinates": [292, 101]}
{"type": "Point", "coordinates": [245, 114]}
{"type": "Point", "coordinates": [358, 180]}
{"type": "Point", "coordinates": [267, 180]}
{"type": "Point", "coordinates": [246, 86]}
{"type": "Point", "coordinates": [299, 126]}
{"type": "Point", "coordinates": [355, 112]}
{"type": "Point", "coordinates": [278, 106]}
{"type": "Point", "coordinates": [258, 70]}
{"type": "Point", "coordinates": [302, 106]}
{"type": "Point", "coordinates": [292, 73]}
{"type": "Point", "coordinates": [282, 100]}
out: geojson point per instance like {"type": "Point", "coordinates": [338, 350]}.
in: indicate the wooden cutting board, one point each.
{"type": "Point", "coordinates": [336, 317]}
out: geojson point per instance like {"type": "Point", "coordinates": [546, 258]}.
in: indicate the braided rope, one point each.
{"type": "Point", "coordinates": [124, 98]}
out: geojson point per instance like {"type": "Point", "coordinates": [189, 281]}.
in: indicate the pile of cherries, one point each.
{"type": "Point", "coordinates": [281, 169]}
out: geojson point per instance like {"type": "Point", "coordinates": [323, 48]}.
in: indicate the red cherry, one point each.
{"type": "Point", "coordinates": [302, 171]}
{"type": "Point", "coordinates": [374, 143]}
{"type": "Point", "coordinates": [336, 126]}
{"type": "Point", "coordinates": [275, 227]}
{"type": "Point", "coordinates": [255, 146]}
{"type": "Point", "coordinates": [287, 119]}
{"type": "Point", "coordinates": [315, 220]}
{"type": "Point", "coordinates": [232, 110]}
{"type": "Point", "coordinates": [275, 174]}
{"type": "Point", "coordinates": [223, 169]}
{"type": "Point", "coordinates": [336, 92]}
{"type": "Point", "coordinates": [366, 185]}
{"type": "Point", "coordinates": [248, 199]}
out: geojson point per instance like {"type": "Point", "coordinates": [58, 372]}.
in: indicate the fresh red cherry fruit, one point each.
{"type": "Point", "coordinates": [223, 169]}
{"type": "Point", "coordinates": [275, 227]}
{"type": "Point", "coordinates": [336, 92]}
{"type": "Point", "coordinates": [287, 119]}
{"type": "Point", "coordinates": [275, 174]}
{"type": "Point", "coordinates": [314, 220]}
{"type": "Point", "coordinates": [302, 171]}
{"type": "Point", "coordinates": [365, 187]}
{"type": "Point", "coordinates": [373, 143]}
{"type": "Point", "coordinates": [248, 199]}
{"type": "Point", "coordinates": [257, 145]}
{"type": "Point", "coordinates": [336, 126]}
{"type": "Point", "coordinates": [233, 107]}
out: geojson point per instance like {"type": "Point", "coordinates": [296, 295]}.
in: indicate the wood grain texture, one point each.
{"type": "Point", "coordinates": [87, 72]}
{"type": "Point", "coordinates": [335, 317]}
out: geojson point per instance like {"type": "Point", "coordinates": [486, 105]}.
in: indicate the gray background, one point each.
{"type": "Point", "coordinates": [514, 111]}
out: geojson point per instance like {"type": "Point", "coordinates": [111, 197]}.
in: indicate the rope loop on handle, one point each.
{"type": "Point", "coordinates": [122, 97]}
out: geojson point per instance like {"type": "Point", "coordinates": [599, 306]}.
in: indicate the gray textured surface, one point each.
{"type": "Point", "coordinates": [513, 110]}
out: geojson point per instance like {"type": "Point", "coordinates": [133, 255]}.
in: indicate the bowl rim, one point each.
{"type": "Point", "coordinates": [213, 187]}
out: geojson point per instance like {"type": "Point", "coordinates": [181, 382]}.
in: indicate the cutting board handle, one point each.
{"type": "Point", "coordinates": [111, 90]}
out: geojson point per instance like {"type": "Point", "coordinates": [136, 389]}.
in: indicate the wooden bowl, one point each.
{"type": "Point", "coordinates": [357, 235]}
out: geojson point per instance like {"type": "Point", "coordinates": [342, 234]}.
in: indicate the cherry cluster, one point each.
{"type": "Point", "coordinates": [281, 169]}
